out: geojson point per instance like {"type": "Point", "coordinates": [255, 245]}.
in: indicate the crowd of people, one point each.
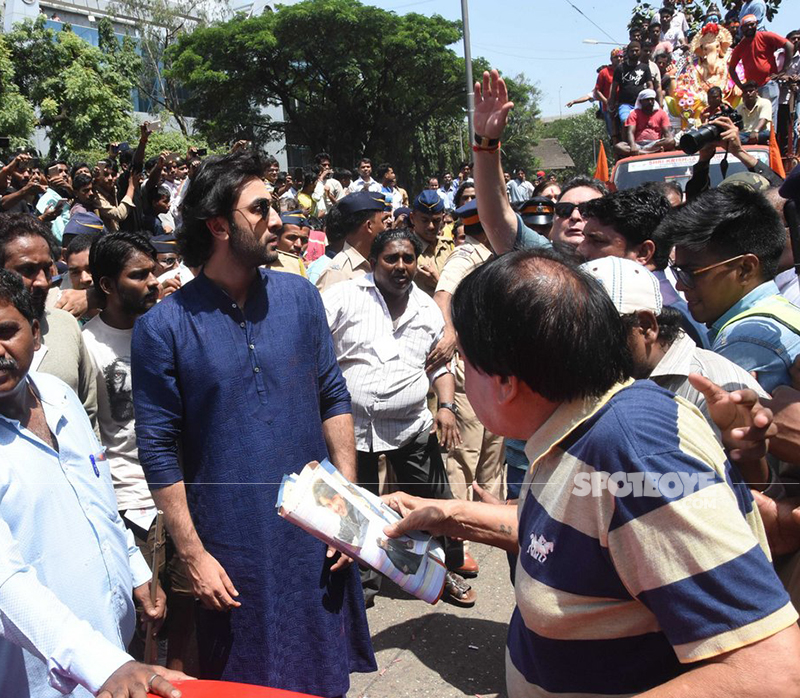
{"type": "Point", "coordinates": [621, 367]}
{"type": "Point", "coordinates": [678, 73]}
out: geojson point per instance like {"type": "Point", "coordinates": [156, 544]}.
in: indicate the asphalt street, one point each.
{"type": "Point", "coordinates": [441, 650]}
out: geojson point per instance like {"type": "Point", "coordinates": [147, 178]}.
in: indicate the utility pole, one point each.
{"type": "Point", "coordinates": [468, 63]}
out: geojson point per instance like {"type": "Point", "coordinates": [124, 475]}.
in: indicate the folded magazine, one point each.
{"type": "Point", "coordinates": [351, 519]}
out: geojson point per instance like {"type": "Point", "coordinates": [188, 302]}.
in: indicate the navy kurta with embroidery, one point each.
{"type": "Point", "coordinates": [242, 394]}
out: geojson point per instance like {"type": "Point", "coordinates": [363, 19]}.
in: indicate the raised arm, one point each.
{"type": "Point", "coordinates": [491, 115]}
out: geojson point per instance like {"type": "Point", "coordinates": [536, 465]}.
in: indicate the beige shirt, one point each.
{"type": "Point", "coordinates": [436, 255]}
{"type": "Point", "coordinates": [111, 213]}
{"type": "Point", "coordinates": [762, 109]}
{"type": "Point", "coordinates": [348, 264]}
{"type": "Point", "coordinates": [66, 357]}
{"type": "Point", "coordinates": [464, 259]}
{"type": "Point", "coordinates": [289, 263]}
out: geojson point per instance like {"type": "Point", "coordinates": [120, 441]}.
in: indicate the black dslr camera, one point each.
{"type": "Point", "coordinates": [693, 140]}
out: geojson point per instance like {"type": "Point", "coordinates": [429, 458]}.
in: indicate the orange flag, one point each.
{"type": "Point", "coordinates": [775, 159]}
{"type": "Point", "coordinates": [601, 172]}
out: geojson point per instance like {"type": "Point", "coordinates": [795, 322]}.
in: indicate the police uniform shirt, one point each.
{"type": "Point", "coordinates": [467, 257]}
{"type": "Point", "coordinates": [435, 254]}
{"type": "Point", "coordinates": [348, 264]}
{"type": "Point", "coordinates": [290, 263]}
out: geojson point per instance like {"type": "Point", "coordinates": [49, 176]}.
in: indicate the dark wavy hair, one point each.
{"type": "Point", "coordinates": [728, 221]}
{"type": "Point", "coordinates": [13, 292]}
{"type": "Point", "coordinates": [215, 188]}
{"type": "Point", "coordinates": [635, 214]}
{"type": "Point", "coordinates": [110, 253]}
{"type": "Point", "coordinates": [20, 225]}
{"type": "Point", "coordinates": [533, 315]}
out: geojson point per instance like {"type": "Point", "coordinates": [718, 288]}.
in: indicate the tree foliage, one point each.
{"type": "Point", "coordinates": [82, 93]}
{"type": "Point", "coordinates": [580, 135]}
{"type": "Point", "coordinates": [519, 137]}
{"type": "Point", "coordinates": [17, 117]}
{"type": "Point", "coordinates": [158, 24]}
{"type": "Point", "coordinates": [353, 80]}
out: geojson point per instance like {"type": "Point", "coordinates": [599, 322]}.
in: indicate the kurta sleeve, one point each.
{"type": "Point", "coordinates": [157, 401]}
{"type": "Point", "coordinates": [334, 398]}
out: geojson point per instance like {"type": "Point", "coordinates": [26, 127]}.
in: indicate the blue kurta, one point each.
{"type": "Point", "coordinates": [243, 394]}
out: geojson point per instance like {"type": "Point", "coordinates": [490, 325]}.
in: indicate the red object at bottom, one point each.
{"type": "Point", "coordinates": [223, 689]}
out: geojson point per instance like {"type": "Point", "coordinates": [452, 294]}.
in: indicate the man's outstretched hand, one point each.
{"type": "Point", "coordinates": [491, 105]}
{"type": "Point", "coordinates": [135, 680]}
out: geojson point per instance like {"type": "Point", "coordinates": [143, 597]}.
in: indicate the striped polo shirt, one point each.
{"type": "Point", "coordinates": [641, 550]}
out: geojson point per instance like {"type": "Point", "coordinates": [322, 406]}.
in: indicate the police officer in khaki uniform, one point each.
{"type": "Point", "coordinates": [481, 455]}
{"type": "Point", "coordinates": [364, 215]}
{"type": "Point", "coordinates": [292, 241]}
{"type": "Point", "coordinates": [426, 218]}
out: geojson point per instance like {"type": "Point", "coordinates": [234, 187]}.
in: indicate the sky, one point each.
{"type": "Point", "coordinates": [544, 38]}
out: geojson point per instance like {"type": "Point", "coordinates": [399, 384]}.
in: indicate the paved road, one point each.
{"type": "Point", "coordinates": [442, 651]}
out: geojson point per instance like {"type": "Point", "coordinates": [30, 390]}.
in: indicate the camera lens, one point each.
{"type": "Point", "coordinates": [692, 141]}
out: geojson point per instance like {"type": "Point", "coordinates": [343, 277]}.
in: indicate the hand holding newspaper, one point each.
{"type": "Point", "coordinates": [351, 519]}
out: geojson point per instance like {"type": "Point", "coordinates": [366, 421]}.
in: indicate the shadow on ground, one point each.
{"type": "Point", "coordinates": [467, 653]}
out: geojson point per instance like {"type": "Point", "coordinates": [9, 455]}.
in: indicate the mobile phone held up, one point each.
{"type": "Point", "coordinates": [153, 126]}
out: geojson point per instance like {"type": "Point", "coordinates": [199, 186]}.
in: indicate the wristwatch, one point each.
{"type": "Point", "coordinates": [484, 142]}
{"type": "Point", "coordinates": [449, 406]}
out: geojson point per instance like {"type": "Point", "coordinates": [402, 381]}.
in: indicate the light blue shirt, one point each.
{"type": "Point", "coordinates": [529, 239]}
{"type": "Point", "coordinates": [316, 268]}
{"type": "Point", "coordinates": [67, 563]}
{"type": "Point", "coordinates": [757, 8]}
{"type": "Point", "coordinates": [50, 198]}
{"type": "Point", "coordinates": [758, 344]}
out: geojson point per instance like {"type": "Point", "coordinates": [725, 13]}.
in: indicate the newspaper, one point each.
{"type": "Point", "coordinates": [351, 519]}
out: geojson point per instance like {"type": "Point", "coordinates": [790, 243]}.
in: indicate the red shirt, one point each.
{"type": "Point", "coordinates": [648, 127]}
{"type": "Point", "coordinates": [758, 56]}
{"type": "Point", "coordinates": [605, 79]}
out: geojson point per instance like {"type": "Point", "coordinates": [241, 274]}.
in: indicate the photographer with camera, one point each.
{"type": "Point", "coordinates": [725, 134]}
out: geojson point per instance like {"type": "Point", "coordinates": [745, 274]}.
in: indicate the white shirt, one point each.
{"type": "Point", "coordinates": [67, 562]}
{"type": "Point", "coordinates": [110, 350]}
{"type": "Point", "coordinates": [358, 185]}
{"type": "Point", "coordinates": [685, 357]}
{"type": "Point", "coordinates": [384, 365]}
{"type": "Point", "coordinates": [186, 275]}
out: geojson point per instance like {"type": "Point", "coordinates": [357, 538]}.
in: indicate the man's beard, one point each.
{"type": "Point", "coordinates": [134, 305]}
{"type": "Point", "coordinates": [39, 301]}
{"type": "Point", "coordinates": [247, 249]}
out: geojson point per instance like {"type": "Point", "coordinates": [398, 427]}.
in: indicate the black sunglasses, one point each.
{"type": "Point", "coordinates": [263, 206]}
{"type": "Point", "coordinates": [564, 209]}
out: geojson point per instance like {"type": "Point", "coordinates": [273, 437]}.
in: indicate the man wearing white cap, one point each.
{"type": "Point", "coordinates": [661, 350]}
{"type": "Point", "coordinates": [647, 129]}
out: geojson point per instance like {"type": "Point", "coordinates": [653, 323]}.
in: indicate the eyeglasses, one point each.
{"type": "Point", "coordinates": [564, 209]}
{"type": "Point", "coordinates": [687, 276]}
{"type": "Point", "coordinates": [263, 206]}
{"type": "Point", "coordinates": [169, 262]}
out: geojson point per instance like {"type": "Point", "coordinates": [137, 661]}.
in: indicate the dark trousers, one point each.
{"type": "Point", "coordinates": [420, 471]}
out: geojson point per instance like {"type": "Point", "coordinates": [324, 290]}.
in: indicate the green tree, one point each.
{"type": "Point", "coordinates": [158, 24]}
{"type": "Point", "coordinates": [519, 137]}
{"type": "Point", "coordinates": [82, 93]}
{"type": "Point", "coordinates": [352, 79]}
{"type": "Point", "coordinates": [17, 117]}
{"type": "Point", "coordinates": [580, 135]}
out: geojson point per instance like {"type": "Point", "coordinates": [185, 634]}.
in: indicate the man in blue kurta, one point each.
{"type": "Point", "coordinates": [236, 383]}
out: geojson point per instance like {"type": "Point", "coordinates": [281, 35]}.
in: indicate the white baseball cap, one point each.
{"type": "Point", "coordinates": [630, 285]}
